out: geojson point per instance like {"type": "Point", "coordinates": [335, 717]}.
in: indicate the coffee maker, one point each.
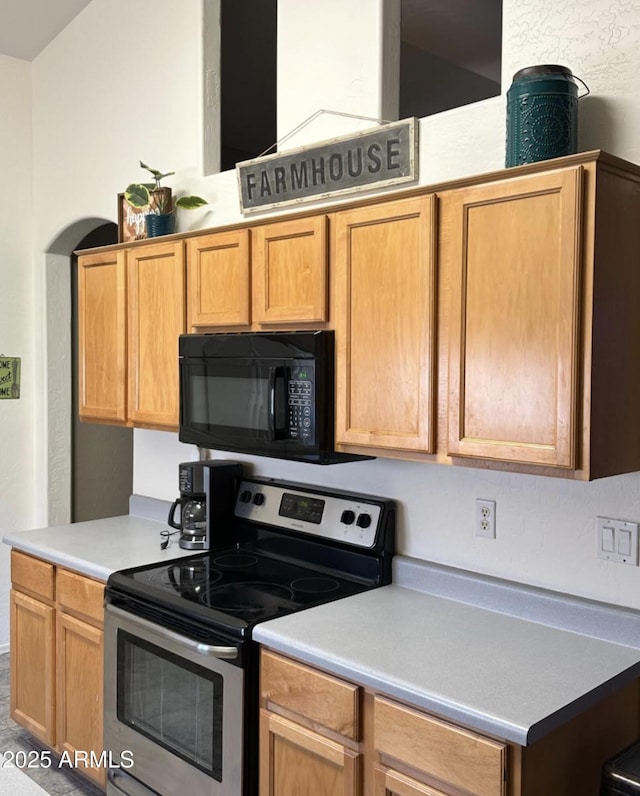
{"type": "Point", "coordinates": [207, 498]}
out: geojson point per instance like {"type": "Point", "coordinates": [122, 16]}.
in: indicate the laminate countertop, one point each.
{"type": "Point", "coordinates": [508, 660]}
{"type": "Point", "coordinates": [99, 547]}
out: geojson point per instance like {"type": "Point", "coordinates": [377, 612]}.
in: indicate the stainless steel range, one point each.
{"type": "Point", "coordinates": [181, 669]}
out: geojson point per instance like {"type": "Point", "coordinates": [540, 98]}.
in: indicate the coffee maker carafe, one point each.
{"type": "Point", "coordinates": [207, 498]}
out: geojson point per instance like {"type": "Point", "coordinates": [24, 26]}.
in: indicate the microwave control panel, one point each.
{"type": "Point", "coordinates": [301, 403]}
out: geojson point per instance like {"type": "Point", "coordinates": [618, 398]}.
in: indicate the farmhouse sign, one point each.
{"type": "Point", "coordinates": [386, 155]}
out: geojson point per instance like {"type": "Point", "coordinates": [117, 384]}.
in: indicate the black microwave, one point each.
{"type": "Point", "coordinates": [261, 393]}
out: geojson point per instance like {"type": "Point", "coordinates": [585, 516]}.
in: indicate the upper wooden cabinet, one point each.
{"type": "Point", "coordinates": [515, 319]}
{"type": "Point", "coordinates": [544, 321]}
{"type": "Point", "coordinates": [157, 317]}
{"type": "Point", "coordinates": [386, 324]}
{"type": "Point", "coordinates": [102, 336]}
{"type": "Point", "coordinates": [290, 271]}
{"type": "Point", "coordinates": [273, 274]}
{"type": "Point", "coordinates": [131, 310]}
{"type": "Point", "coordinates": [219, 279]}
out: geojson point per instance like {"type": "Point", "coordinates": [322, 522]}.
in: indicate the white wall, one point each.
{"type": "Point", "coordinates": [123, 82]}
{"type": "Point", "coordinates": [17, 311]}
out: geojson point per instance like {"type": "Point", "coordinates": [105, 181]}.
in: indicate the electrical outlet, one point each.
{"type": "Point", "coordinates": [486, 518]}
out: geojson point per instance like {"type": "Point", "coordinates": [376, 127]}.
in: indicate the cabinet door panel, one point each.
{"type": "Point", "coordinates": [219, 279]}
{"type": "Point", "coordinates": [290, 271]}
{"type": "Point", "coordinates": [156, 319]}
{"type": "Point", "coordinates": [79, 676]}
{"type": "Point", "coordinates": [296, 760]}
{"type": "Point", "coordinates": [102, 343]}
{"type": "Point", "coordinates": [514, 341]}
{"type": "Point", "coordinates": [385, 326]}
{"type": "Point", "coordinates": [32, 666]}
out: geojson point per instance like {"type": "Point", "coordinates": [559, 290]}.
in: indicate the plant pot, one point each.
{"type": "Point", "coordinates": [160, 224]}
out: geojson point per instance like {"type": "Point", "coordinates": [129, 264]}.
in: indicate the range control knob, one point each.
{"type": "Point", "coordinates": [245, 496]}
{"type": "Point", "coordinates": [258, 498]}
{"type": "Point", "coordinates": [347, 517]}
{"type": "Point", "coordinates": [363, 521]}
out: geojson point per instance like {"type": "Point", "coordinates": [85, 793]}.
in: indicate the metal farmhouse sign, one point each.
{"type": "Point", "coordinates": [386, 155]}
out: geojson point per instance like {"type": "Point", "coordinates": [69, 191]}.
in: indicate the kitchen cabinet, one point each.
{"type": "Point", "coordinates": [102, 336]}
{"type": "Point", "coordinates": [309, 746]}
{"type": "Point", "coordinates": [156, 310]}
{"type": "Point", "coordinates": [320, 734]}
{"type": "Point", "coordinates": [259, 278]}
{"type": "Point", "coordinates": [219, 280]}
{"type": "Point", "coordinates": [56, 658]}
{"type": "Point", "coordinates": [131, 310]}
{"type": "Point", "coordinates": [541, 271]}
{"type": "Point", "coordinates": [385, 322]}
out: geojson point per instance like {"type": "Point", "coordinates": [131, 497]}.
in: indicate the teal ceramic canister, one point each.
{"type": "Point", "coordinates": [542, 114]}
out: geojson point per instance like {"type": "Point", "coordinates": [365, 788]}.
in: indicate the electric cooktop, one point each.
{"type": "Point", "coordinates": [296, 547]}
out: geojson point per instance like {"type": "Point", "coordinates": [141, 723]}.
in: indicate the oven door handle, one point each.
{"type": "Point", "coordinates": [216, 650]}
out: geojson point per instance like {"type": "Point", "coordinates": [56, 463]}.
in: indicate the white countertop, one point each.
{"type": "Point", "coordinates": [505, 659]}
{"type": "Point", "coordinates": [505, 675]}
{"type": "Point", "coordinates": [99, 547]}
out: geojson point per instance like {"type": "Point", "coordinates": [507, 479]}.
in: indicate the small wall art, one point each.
{"type": "Point", "coordinates": [9, 377]}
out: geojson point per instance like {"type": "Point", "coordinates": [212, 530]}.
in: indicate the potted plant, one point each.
{"type": "Point", "coordinates": [160, 219]}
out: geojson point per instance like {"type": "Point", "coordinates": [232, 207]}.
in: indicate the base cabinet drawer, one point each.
{"type": "Point", "coordinates": [326, 701]}
{"type": "Point", "coordinates": [448, 754]}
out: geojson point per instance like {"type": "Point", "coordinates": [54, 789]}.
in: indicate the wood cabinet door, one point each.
{"type": "Point", "coordinates": [290, 266]}
{"type": "Point", "coordinates": [79, 686]}
{"type": "Point", "coordinates": [219, 280]}
{"type": "Point", "coordinates": [102, 337]}
{"type": "Point", "coordinates": [514, 339]}
{"type": "Point", "coordinates": [156, 286]}
{"type": "Point", "coordinates": [297, 761]}
{"type": "Point", "coordinates": [388, 782]}
{"type": "Point", "coordinates": [385, 325]}
{"type": "Point", "coordinates": [33, 701]}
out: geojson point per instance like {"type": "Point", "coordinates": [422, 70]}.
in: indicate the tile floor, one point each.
{"type": "Point", "coordinates": [55, 781]}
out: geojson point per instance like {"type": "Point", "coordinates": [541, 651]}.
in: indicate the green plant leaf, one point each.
{"type": "Point", "coordinates": [137, 195]}
{"type": "Point", "coordinates": [158, 175]}
{"type": "Point", "coordinates": [190, 202]}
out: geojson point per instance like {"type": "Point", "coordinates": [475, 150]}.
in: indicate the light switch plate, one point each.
{"type": "Point", "coordinates": [617, 540]}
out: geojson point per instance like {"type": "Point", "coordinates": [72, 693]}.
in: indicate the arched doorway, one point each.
{"type": "Point", "coordinates": [89, 466]}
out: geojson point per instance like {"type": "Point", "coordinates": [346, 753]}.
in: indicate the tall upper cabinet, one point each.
{"type": "Point", "coordinates": [542, 269]}
{"type": "Point", "coordinates": [386, 324]}
{"type": "Point", "coordinates": [131, 310]}
{"type": "Point", "coordinates": [515, 319]}
{"type": "Point", "coordinates": [102, 336]}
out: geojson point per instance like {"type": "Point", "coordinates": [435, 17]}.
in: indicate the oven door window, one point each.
{"type": "Point", "coordinates": [171, 701]}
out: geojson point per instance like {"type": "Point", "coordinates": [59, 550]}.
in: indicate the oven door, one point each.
{"type": "Point", "coordinates": [173, 711]}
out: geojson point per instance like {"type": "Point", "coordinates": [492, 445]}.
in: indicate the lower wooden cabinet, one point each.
{"type": "Point", "coordinates": [323, 736]}
{"type": "Point", "coordinates": [298, 760]}
{"type": "Point", "coordinates": [33, 665]}
{"type": "Point", "coordinates": [56, 658]}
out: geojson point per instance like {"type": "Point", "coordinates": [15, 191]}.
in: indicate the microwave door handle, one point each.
{"type": "Point", "coordinates": [276, 432]}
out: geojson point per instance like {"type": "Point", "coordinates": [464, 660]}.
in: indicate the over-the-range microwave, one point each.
{"type": "Point", "coordinates": [262, 393]}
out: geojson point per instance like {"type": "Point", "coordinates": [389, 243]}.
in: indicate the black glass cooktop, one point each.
{"type": "Point", "coordinates": [235, 587]}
